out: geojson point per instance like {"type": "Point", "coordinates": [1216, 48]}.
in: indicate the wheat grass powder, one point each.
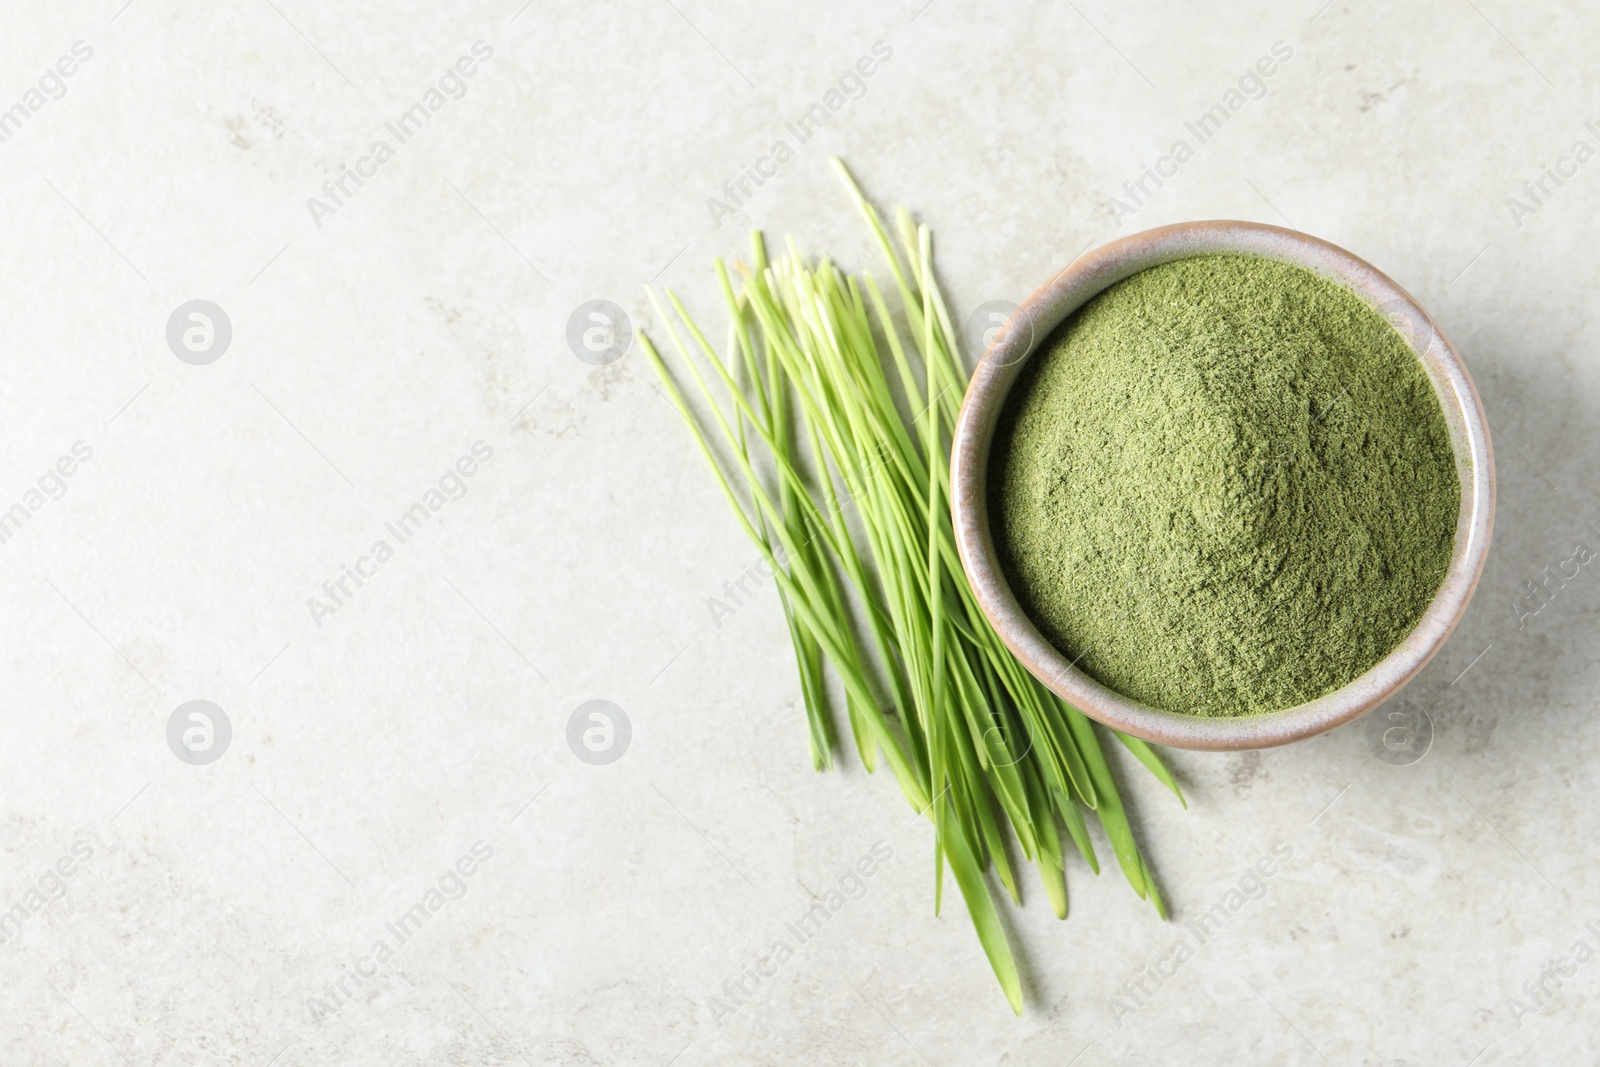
{"type": "Point", "coordinates": [1224, 486]}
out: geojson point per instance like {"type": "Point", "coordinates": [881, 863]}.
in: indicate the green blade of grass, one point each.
{"type": "Point", "coordinates": [969, 879]}
{"type": "Point", "coordinates": [1147, 756]}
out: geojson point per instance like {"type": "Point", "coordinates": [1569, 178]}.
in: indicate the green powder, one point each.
{"type": "Point", "coordinates": [1224, 486]}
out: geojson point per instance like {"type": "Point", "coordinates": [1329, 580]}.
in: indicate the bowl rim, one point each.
{"type": "Point", "coordinates": [1077, 283]}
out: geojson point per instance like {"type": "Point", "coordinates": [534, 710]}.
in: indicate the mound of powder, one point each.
{"type": "Point", "coordinates": [1224, 487]}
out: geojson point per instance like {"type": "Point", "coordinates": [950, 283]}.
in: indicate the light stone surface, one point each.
{"type": "Point", "coordinates": [375, 746]}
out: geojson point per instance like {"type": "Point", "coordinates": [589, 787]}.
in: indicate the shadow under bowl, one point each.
{"type": "Point", "coordinates": [1080, 282]}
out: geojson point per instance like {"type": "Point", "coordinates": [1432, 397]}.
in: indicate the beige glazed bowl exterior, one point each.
{"type": "Point", "coordinates": [1065, 293]}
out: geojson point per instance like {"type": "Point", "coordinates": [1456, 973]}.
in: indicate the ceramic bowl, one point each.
{"type": "Point", "coordinates": [1065, 293]}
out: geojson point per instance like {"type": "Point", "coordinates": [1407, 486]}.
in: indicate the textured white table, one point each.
{"type": "Point", "coordinates": [213, 911]}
